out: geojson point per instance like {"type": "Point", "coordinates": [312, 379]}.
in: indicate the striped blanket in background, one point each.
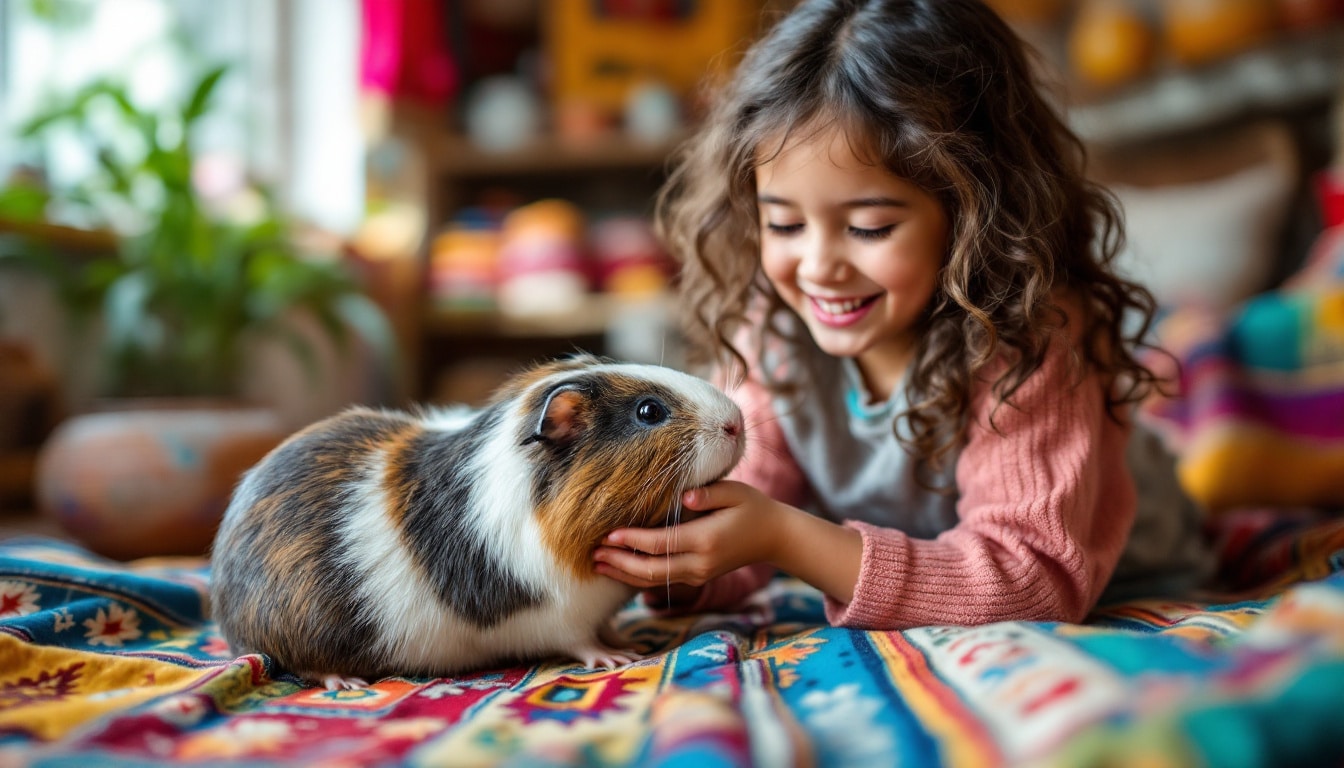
{"type": "Point", "coordinates": [1259, 415]}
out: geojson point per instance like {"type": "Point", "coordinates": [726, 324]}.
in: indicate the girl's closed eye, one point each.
{"type": "Point", "coordinates": [876, 233]}
{"type": "Point", "coordinates": [863, 233]}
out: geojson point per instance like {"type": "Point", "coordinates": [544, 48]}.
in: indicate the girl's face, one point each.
{"type": "Point", "coordinates": [853, 249]}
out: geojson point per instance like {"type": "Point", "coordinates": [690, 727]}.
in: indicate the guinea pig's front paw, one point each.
{"type": "Point", "coordinates": [338, 683]}
{"type": "Point", "coordinates": [596, 654]}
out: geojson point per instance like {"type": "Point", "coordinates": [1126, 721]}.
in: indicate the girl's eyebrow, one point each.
{"type": "Point", "coordinates": [862, 202]}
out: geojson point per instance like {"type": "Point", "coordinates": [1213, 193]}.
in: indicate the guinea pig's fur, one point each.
{"type": "Point", "coordinates": [379, 543]}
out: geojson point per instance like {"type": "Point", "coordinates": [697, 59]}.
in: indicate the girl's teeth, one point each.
{"type": "Point", "coordinates": [839, 307]}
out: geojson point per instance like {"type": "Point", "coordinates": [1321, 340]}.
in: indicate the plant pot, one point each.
{"type": "Point", "coordinates": [149, 478]}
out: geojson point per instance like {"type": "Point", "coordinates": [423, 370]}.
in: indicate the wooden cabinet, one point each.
{"type": "Point", "coordinates": [613, 176]}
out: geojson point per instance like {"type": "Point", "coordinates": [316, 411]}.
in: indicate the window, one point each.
{"type": "Point", "coordinates": [287, 111]}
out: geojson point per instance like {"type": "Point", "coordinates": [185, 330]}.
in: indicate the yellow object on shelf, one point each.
{"type": "Point", "coordinates": [600, 56]}
{"type": "Point", "coordinates": [1110, 43]}
{"type": "Point", "coordinates": [1202, 31]}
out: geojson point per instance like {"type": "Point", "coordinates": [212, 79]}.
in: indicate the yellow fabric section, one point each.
{"type": "Point", "coordinates": [48, 691]}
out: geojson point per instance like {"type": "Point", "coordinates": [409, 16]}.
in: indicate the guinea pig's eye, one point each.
{"type": "Point", "coordinates": [650, 412]}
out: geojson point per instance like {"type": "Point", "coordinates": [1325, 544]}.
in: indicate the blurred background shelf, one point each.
{"type": "Point", "coordinates": [455, 155]}
{"type": "Point", "coordinates": [60, 236]}
{"type": "Point", "coordinates": [1289, 73]}
{"type": "Point", "coordinates": [593, 318]}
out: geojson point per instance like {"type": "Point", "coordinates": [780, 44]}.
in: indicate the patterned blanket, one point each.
{"type": "Point", "coordinates": [107, 663]}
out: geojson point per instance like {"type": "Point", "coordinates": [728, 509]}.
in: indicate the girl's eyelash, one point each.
{"type": "Point", "coordinates": [862, 234]}
{"type": "Point", "coordinates": [872, 234]}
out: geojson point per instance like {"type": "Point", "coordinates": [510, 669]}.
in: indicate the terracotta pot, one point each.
{"type": "Point", "coordinates": [150, 478]}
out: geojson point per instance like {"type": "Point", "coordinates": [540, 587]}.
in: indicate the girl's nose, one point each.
{"type": "Point", "coordinates": [821, 261]}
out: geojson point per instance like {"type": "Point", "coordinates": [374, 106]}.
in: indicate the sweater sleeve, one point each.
{"type": "Point", "coordinates": [768, 465]}
{"type": "Point", "coordinates": [1046, 503]}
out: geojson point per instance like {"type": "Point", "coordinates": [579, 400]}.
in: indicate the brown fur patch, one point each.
{"type": "Point", "coordinates": [398, 480]}
{"type": "Point", "coordinates": [632, 483]}
{"type": "Point", "coordinates": [525, 380]}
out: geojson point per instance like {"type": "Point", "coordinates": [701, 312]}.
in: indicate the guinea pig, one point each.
{"type": "Point", "coordinates": [383, 542]}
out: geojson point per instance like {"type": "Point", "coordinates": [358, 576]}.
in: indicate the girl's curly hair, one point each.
{"type": "Point", "coordinates": [942, 93]}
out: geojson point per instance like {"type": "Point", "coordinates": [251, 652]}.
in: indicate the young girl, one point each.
{"type": "Point", "coordinates": [885, 224]}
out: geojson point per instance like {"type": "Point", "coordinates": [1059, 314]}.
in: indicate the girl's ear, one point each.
{"type": "Point", "coordinates": [562, 417]}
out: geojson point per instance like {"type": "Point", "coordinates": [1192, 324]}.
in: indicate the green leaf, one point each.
{"type": "Point", "coordinates": [120, 178]}
{"type": "Point", "coordinates": [199, 102]}
{"type": "Point", "coordinates": [24, 202]}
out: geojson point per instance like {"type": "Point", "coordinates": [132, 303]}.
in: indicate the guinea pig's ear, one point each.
{"type": "Point", "coordinates": [561, 420]}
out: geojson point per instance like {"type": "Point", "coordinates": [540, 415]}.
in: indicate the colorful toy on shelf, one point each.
{"type": "Point", "coordinates": [543, 267]}
{"type": "Point", "coordinates": [503, 114]}
{"type": "Point", "coordinates": [601, 50]}
{"type": "Point", "coordinates": [464, 262]}
{"type": "Point", "coordinates": [628, 257]}
{"type": "Point", "coordinates": [1111, 43]}
{"type": "Point", "coordinates": [652, 114]}
{"type": "Point", "coordinates": [1202, 31]}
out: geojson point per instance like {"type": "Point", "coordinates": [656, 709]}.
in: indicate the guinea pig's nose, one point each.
{"type": "Point", "coordinates": [732, 428]}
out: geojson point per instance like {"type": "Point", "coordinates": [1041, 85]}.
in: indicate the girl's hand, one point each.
{"type": "Point", "coordinates": [742, 527]}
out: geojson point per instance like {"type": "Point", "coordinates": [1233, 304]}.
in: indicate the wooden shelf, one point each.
{"type": "Point", "coordinates": [1296, 69]}
{"type": "Point", "coordinates": [60, 236]}
{"type": "Point", "coordinates": [455, 155]}
{"type": "Point", "coordinates": [592, 318]}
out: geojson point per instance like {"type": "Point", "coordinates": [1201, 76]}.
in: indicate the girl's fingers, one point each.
{"type": "Point", "coordinates": [639, 570]}
{"type": "Point", "coordinates": [658, 541]}
{"type": "Point", "coordinates": [722, 494]}
{"type": "Point", "coordinates": [654, 541]}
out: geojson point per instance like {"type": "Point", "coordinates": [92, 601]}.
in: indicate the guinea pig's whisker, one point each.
{"type": "Point", "coordinates": [673, 532]}
{"type": "Point", "coordinates": [655, 487]}
{"type": "Point", "coordinates": [656, 480]}
{"type": "Point", "coordinates": [665, 479]}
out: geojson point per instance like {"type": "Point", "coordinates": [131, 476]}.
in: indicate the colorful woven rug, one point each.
{"type": "Point", "coordinates": [109, 664]}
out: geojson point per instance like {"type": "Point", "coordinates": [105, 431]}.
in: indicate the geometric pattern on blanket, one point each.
{"type": "Point", "coordinates": [109, 663]}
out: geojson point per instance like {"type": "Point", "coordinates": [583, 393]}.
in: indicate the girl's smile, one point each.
{"type": "Point", "coordinates": [853, 249]}
{"type": "Point", "coordinates": [839, 313]}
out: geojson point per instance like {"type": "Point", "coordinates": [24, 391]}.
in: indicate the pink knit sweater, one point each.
{"type": "Point", "coordinates": [1045, 506]}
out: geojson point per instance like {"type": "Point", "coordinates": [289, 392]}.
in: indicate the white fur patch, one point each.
{"type": "Point", "coordinates": [448, 418]}
{"type": "Point", "coordinates": [501, 500]}
{"type": "Point", "coordinates": [392, 587]}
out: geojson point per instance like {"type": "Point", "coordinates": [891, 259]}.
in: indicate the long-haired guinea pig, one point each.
{"type": "Point", "coordinates": [378, 543]}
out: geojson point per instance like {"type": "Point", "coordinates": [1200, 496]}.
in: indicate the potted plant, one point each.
{"type": "Point", "coordinates": [177, 303]}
